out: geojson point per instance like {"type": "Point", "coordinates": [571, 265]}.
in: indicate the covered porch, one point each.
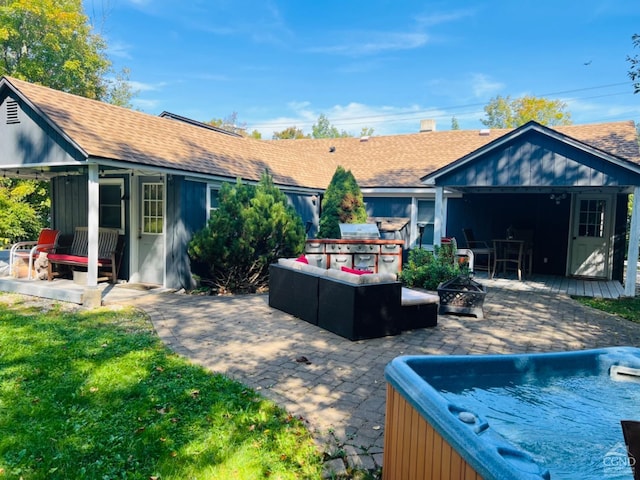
{"type": "Point", "coordinates": [570, 198]}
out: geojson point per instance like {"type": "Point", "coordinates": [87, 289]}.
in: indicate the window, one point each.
{"type": "Point", "coordinates": [111, 209]}
{"type": "Point", "coordinates": [152, 208]}
{"type": "Point", "coordinates": [591, 221]}
{"type": "Point", "coordinates": [426, 215]}
{"type": "Point", "coordinates": [213, 200]}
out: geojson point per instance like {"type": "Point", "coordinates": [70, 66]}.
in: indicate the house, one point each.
{"type": "Point", "coordinates": [156, 179]}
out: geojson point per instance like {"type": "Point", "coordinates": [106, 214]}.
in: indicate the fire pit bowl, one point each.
{"type": "Point", "coordinates": [462, 296]}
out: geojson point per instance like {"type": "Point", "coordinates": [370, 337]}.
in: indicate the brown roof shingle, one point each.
{"type": "Point", "coordinates": [111, 132]}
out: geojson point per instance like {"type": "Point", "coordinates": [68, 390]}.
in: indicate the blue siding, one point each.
{"type": "Point", "coordinates": [537, 160]}
{"type": "Point", "coordinates": [388, 206]}
{"type": "Point", "coordinates": [304, 205]}
{"type": "Point", "coordinates": [186, 213]}
{"type": "Point", "coordinates": [31, 141]}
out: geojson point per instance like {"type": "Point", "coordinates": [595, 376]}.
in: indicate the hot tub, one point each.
{"type": "Point", "coordinates": [529, 417]}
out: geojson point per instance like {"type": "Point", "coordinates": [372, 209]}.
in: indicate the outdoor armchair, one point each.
{"type": "Point", "coordinates": [29, 250]}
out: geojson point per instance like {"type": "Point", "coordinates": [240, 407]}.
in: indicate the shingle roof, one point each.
{"type": "Point", "coordinates": [110, 132]}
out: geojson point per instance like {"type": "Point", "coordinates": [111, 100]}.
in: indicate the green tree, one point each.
{"type": "Point", "coordinates": [119, 91]}
{"type": "Point", "coordinates": [24, 208]}
{"type": "Point", "coordinates": [290, 133]}
{"type": "Point", "coordinates": [252, 227]}
{"type": "Point", "coordinates": [366, 131]}
{"type": "Point", "coordinates": [634, 71]}
{"type": "Point", "coordinates": [342, 203]}
{"type": "Point", "coordinates": [454, 123]}
{"type": "Point", "coordinates": [324, 129]}
{"type": "Point", "coordinates": [50, 42]}
{"type": "Point", "coordinates": [503, 112]}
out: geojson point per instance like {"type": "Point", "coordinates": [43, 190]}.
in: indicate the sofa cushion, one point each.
{"type": "Point", "coordinates": [293, 264]}
{"type": "Point", "coordinates": [369, 279]}
{"type": "Point", "coordinates": [414, 297]}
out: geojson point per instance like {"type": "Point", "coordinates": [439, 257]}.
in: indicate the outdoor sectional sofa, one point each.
{"type": "Point", "coordinates": [353, 306]}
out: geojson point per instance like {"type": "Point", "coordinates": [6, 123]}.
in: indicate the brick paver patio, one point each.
{"type": "Point", "coordinates": [340, 388]}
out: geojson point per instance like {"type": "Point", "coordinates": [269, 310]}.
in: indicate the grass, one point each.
{"type": "Point", "coordinates": [628, 307]}
{"type": "Point", "coordinates": [95, 395]}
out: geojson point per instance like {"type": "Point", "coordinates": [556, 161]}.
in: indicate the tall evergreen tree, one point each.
{"type": "Point", "coordinates": [342, 203]}
{"type": "Point", "coordinates": [252, 228]}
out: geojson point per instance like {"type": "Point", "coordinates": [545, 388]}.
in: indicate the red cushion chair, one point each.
{"type": "Point", "coordinates": [29, 250]}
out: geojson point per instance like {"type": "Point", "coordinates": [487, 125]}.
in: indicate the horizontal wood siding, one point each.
{"type": "Point", "coordinates": [535, 160]}
{"type": "Point", "coordinates": [414, 450]}
{"type": "Point", "coordinates": [30, 141]}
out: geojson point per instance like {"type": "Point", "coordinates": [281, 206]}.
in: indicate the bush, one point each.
{"type": "Point", "coordinates": [425, 269]}
{"type": "Point", "coordinates": [342, 203]}
{"type": "Point", "coordinates": [252, 228]}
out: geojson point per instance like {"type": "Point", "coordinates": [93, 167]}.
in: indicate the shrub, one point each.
{"type": "Point", "coordinates": [342, 203]}
{"type": "Point", "coordinates": [425, 269]}
{"type": "Point", "coordinates": [252, 228]}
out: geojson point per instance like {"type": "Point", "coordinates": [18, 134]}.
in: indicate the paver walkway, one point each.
{"type": "Point", "coordinates": [340, 391]}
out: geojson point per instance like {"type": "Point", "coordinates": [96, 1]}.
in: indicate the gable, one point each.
{"type": "Point", "coordinates": [27, 139]}
{"type": "Point", "coordinates": [534, 158]}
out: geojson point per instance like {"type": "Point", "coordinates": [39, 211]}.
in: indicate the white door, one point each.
{"type": "Point", "coordinates": [591, 236]}
{"type": "Point", "coordinates": [151, 254]}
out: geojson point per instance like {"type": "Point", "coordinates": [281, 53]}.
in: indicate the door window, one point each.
{"type": "Point", "coordinates": [152, 208]}
{"type": "Point", "coordinates": [591, 219]}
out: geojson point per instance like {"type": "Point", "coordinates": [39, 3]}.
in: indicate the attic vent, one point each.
{"type": "Point", "coordinates": [485, 131]}
{"type": "Point", "coordinates": [12, 112]}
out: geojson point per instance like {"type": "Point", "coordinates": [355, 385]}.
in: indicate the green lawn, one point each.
{"type": "Point", "coordinates": [96, 395]}
{"type": "Point", "coordinates": [628, 307]}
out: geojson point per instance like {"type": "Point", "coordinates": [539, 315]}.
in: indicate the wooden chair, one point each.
{"type": "Point", "coordinates": [479, 248]}
{"type": "Point", "coordinates": [506, 253]}
{"type": "Point", "coordinates": [29, 250]}
{"type": "Point", "coordinates": [527, 236]}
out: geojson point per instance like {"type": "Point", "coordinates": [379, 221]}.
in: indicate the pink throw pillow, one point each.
{"type": "Point", "coordinates": [302, 259]}
{"type": "Point", "coordinates": [355, 271]}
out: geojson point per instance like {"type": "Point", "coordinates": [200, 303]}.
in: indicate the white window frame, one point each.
{"type": "Point", "coordinates": [162, 210]}
{"type": "Point", "coordinates": [211, 188]}
{"type": "Point", "coordinates": [120, 183]}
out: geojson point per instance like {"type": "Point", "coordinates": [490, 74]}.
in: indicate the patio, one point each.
{"type": "Point", "coordinates": [69, 291]}
{"type": "Point", "coordinates": [341, 390]}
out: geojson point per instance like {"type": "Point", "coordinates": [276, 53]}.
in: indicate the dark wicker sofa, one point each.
{"type": "Point", "coordinates": [353, 306]}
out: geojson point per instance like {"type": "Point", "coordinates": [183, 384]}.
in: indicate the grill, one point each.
{"type": "Point", "coordinates": [359, 231]}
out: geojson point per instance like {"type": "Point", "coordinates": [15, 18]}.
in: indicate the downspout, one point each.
{"type": "Point", "coordinates": [634, 243]}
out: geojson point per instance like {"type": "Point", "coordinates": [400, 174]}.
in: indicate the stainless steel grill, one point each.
{"type": "Point", "coordinates": [359, 231]}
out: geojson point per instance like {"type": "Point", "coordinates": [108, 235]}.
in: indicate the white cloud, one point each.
{"type": "Point", "coordinates": [484, 86]}
{"type": "Point", "coordinates": [431, 19]}
{"type": "Point", "coordinates": [371, 43]}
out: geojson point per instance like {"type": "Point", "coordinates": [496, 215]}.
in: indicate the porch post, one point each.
{"type": "Point", "coordinates": [438, 221]}
{"type": "Point", "coordinates": [632, 252]}
{"type": "Point", "coordinates": [92, 227]}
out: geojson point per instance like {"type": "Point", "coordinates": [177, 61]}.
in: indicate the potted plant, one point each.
{"type": "Point", "coordinates": [443, 270]}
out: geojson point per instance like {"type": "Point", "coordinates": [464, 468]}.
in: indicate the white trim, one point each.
{"type": "Point", "coordinates": [92, 226]}
{"type": "Point", "coordinates": [634, 246]}
{"type": "Point", "coordinates": [439, 220]}
{"type": "Point", "coordinates": [117, 181]}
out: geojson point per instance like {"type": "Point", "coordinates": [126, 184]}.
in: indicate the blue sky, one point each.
{"type": "Point", "coordinates": [384, 64]}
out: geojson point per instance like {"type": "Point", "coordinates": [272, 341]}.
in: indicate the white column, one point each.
{"type": "Point", "coordinates": [438, 222]}
{"type": "Point", "coordinates": [634, 241]}
{"type": "Point", "coordinates": [93, 224]}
